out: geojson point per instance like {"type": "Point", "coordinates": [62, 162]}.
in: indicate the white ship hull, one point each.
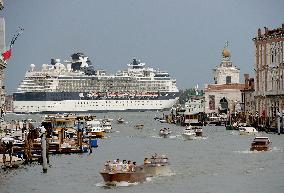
{"type": "Point", "coordinates": [91, 105]}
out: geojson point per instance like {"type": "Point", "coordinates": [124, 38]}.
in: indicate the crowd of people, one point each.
{"type": "Point", "coordinates": [120, 166]}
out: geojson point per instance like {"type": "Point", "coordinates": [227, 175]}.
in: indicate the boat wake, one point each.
{"type": "Point", "coordinates": [273, 149]}
{"type": "Point", "coordinates": [247, 151]}
{"type": "Point", "coordinates": [115, 184]}
{"type": "Point", "coordinates": [200, 138]}
{"type": "Point", "coordinates": [156, 137]}
{"type": "Point", "coordinates": [276, 149]}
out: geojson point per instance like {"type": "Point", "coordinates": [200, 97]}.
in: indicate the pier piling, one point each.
{"type": "Point", "coordinates": [44, 152]}
{"type": "Point", "coordinates": [278, 122]}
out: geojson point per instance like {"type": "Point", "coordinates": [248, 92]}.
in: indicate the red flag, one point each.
{"type": "Point", "coordinates": [6, 55]}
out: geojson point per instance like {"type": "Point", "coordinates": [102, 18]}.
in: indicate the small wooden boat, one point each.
{"type": "Point", "coordinates": [139, 126]}
{"type": "Point", "coordinates": [130, 177]}
{"type": "Point", "coordinates": [261, 144]}
{"type": "Point", "coordinates": [120, 120]}
{"type": "Point", "coordinates": [164, 132]}
{"type": "Point", "coordinates": [113, 174]}
{"type": "Point", "coordinates": [157, 165]}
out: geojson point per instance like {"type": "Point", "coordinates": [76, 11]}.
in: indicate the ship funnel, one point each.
{"type": "Point", "coordinates": [52, 62]}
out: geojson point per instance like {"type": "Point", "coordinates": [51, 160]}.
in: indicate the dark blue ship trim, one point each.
{"type": "Point", "coordinates": [62, 96]}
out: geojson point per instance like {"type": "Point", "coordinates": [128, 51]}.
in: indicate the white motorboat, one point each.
{"type": "Point", "coordinates": [95, 129]}
{"type": "Point", "coordinates": [165, 132]}
{"type": "Point", "coordinates": [120, 120]}
{"type": "Point", "coordinates": [106, 124]}
{"type": "Point", "coordinates": [247, 131]}
{"type": "Point", "coordinates": [188, 133]}
{"type": "Point", "coordinates": [163, 121]}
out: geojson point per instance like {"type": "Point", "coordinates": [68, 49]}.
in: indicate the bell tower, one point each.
{"type": "Point", "coordinates": [226, 72]}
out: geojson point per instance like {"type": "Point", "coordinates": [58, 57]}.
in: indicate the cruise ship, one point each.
{"type": "Point", "coordinates": [75, 86]}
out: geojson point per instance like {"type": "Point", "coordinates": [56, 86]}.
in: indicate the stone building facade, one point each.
{"type": "Point", "coordinates": [224, 95]}
{"type": "Point", "coordinates": [248, 100]}
{"type": "Point", "coordinates": [269, 73]}
{"type": "Point", "coordinates": [2, 64]}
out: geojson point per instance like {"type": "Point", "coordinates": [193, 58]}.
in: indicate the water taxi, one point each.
{"type": "Point", "coordinates": [157, 165]}
{"type": "Point", "coordinates": [164, 132]}
{"type": "Point", "coordinates": [123, 172]}
{"type": "Point", "coordinates": [139, 126]}
{"type": "Point", "coordinates": [188, 133]}
{"type": "Point", "coordinates": [120, 120]}
{"type": "Point", "coordinates": [106, 124]}
{"type": "Point", "coordinates": [198, 131]}
{"type": "Point", "coordinates": [95, 129]}
{"type": "Point", "coordinates": [247, 131]}
{"type": "Point", "coordinates": [260, 144]}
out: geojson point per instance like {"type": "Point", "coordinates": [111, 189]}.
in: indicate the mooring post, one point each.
{"type": "Point", "coordinates": [278, 121]}
{"type": "Point", "coordinates": [43, 146]}
{"type": "Point", "coordinates": [47, 151]}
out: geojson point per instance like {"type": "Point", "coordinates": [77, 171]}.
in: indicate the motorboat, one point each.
{"type": "Point", "coordinates": [198, 131]}
{"type": "Point", "coordinates": [106, 124]}
{"type": "Point", "coordinates": [95, 129]}
{"type": "Point", "coordinates": [139, 126]}
{"type": "Point", "coordinates": [10, 162]}
{"type": "Point", "coordinates": [157, 165]}
{"type": "Point", "coordinates": [164, 132]}
{"type": "Point", "coordinates": [120, 120]}
{"type": "Point", "coordinates": [188, 133]}
{"type": "Point", "coordinates": [163, 121]}
{"type": "Point", "coordinates": [247, 130]}
{"type": "Point", "coordinates": [116, 172]}
{"type": "Point", "coordinates": [261, 144]}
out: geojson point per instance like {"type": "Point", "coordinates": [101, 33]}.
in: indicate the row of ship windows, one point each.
{"type": "Point", "coordinates": [116, 102]}
{"type": "Point", "coordinates": [81, 106]}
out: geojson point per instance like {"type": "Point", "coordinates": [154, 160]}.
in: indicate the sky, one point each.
{"type": "Point", "coordinates": [183, 37]}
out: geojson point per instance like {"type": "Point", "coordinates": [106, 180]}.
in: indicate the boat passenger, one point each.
{"type": "Point", "coordinates": [119, 166]}
{"type": "Point", "coordinates": [107, 166]}
{"type": "Point", "coordinates": [124, 166]}
{"type": "Point", "coordinates": [129, 166]}
{"type": "Point", "coordinates": [134, 167]}
{"type": "Point", "coordinates": [146, 161]}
